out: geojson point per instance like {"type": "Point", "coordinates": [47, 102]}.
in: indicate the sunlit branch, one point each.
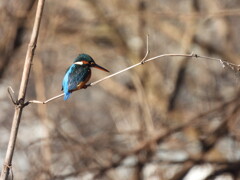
{"type": "Point", "coordinates": [143, 61]}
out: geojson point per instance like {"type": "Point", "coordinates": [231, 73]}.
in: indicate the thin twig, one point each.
{"type": "Point", "coordinates": [10, 94]}
{"type": "Point", "coordinates": [147, 52]}
{"type": "Point", "coordinates": [144, 60]}
{"type": "Point", "coordinates": [45, 102]}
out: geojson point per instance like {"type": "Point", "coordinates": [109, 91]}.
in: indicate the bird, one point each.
{"type": "Point", "coordinates": [78, 74]}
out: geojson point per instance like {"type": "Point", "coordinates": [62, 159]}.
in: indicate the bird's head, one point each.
{"type": "Point", "coordinates": [86, 60]}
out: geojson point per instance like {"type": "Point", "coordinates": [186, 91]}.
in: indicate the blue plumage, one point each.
{"type": "Point", "coordinates": [78, 74]}
{"type": "Point", "coordinates": [73, 77]}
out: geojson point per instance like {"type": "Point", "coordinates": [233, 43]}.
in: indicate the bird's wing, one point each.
{"type": "Point", "coordinates": [65, 74]}
{"type": "Point", "coordinates": [77, 76]}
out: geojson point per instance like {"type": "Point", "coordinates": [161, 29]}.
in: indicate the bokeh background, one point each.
{"type": "Point", "coordinates": [170, 119]}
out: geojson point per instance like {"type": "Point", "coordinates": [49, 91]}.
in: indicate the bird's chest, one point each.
{"type": "Point", "coordinates": [78, 77]}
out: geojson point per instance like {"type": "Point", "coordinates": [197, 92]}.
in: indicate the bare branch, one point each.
{"type": "Point", "coordinates": [10, 93]}
{"type": "Point", "coordinates": [22, 92]}
{"type": "Point", "coordinates": [45, 102]}
{"type": "Point", "coordinates": [147, 52]}
{"type": "Point", "coordinates": [144, 60]}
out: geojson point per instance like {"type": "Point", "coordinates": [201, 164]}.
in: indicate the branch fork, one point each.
{"type": "Point", "coordinates": [15, 101]}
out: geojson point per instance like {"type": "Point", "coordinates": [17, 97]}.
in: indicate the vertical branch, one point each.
{"type": "Point", "coordinates": [22, 91]}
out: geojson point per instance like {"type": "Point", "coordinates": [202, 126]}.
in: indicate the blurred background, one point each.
{"type": "Point", "coordinates": [170, 119]}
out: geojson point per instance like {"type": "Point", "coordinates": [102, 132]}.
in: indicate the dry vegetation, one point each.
{"type": "Point", "coordinates": [162, 120]}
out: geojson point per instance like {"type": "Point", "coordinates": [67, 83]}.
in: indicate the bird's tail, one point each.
{"type": "Point", "coordinates": [66, 95]}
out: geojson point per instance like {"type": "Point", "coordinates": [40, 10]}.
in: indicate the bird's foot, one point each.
{"type": "Point", "coordinates": [86, 86]}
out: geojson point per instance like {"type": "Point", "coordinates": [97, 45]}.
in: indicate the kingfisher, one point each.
{"type": "Point", "coordinates": [78, 74]}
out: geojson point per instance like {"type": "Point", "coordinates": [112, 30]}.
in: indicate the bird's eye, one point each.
{"type": "Point", "coordinates": [92, 62]}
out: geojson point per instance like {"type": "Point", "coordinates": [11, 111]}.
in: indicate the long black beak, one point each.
{"type": "Point", "coordinates": [100, 67]}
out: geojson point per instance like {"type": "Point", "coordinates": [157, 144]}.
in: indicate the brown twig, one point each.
{"type": "Point", "coordinates": [147, 52]}
{"type": "Point", "coordinates": [22, 92]}
{"type": "Point", "coordinates": [45, 102]}
{"type": "Point", "coordinates": [10, 93]}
